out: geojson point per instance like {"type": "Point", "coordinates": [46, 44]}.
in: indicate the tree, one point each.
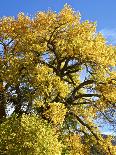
{"type": "Point", "coordinates": [57, 67]}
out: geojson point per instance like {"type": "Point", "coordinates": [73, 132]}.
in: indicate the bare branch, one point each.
{"type": "Point", "coordinates": [81, 85]}
{"type": "Point", "coordinates": [86, 95]}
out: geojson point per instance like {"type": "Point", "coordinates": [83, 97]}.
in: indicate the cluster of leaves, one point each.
{"type": "Point", "coordinates": [41, 67]}
{"type": "Point", "coordinates": [28, 135]}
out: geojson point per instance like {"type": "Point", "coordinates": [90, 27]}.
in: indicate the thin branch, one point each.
{"type": "Point", "coordinates": [87, 95]}
{"type": "Point", "coordinates": [71, 71]}
{"type": "Point", "coordinates": [70, 77]}
{"type": "Point", "coordinates": [84, 124]}
{"type": "Point", "coordinates": [80, 103]}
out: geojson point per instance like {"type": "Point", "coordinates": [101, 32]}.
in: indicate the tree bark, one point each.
{"type": "Point", "coordinates": [2, 107]}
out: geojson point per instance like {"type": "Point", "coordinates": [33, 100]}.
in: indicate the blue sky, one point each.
{"type": "Point", "coordinates": [101, 11]}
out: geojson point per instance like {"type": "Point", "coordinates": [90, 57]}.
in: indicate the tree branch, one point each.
{"type": "Point", "coordinates": [86, 95]}
{"type": "Point", "coordinates": [81, 85]}
{"type": "Point", "coordinates": [84, 124]}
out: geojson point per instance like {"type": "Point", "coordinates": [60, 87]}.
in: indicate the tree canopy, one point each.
{"type": "Point", "coordinates": [57, 74]}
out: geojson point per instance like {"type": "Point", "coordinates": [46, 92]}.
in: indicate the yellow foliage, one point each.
{"type": "Point", "coordinates": [56, 112]}
{"type": "Point", "coordinates": [61, 69]}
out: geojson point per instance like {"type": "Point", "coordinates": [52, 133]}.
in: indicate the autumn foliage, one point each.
{"type": "Point", "coordinates": [57, 74]}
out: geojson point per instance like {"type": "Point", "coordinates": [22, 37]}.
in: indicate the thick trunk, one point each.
{"type": "Point", "coordinates": [2, 103]}
{"type": "Point", "coordinates": [2, 110]}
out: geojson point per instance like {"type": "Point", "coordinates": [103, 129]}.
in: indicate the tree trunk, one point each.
{"type": "Point", "coordinates": [2, 108]}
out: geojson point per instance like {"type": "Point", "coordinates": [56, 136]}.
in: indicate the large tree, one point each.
{"type": "Point", "coordinates": [56, 67]}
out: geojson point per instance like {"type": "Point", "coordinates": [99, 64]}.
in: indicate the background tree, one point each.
{"type": "Point", "coordinates": [59, 68]}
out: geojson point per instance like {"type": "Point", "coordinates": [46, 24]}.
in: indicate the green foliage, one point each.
{"type": "Point", "coordinates": [28, 135]}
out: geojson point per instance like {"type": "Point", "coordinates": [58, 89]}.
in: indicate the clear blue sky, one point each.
{"type": "Point", "coordinates": [102, 11]}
